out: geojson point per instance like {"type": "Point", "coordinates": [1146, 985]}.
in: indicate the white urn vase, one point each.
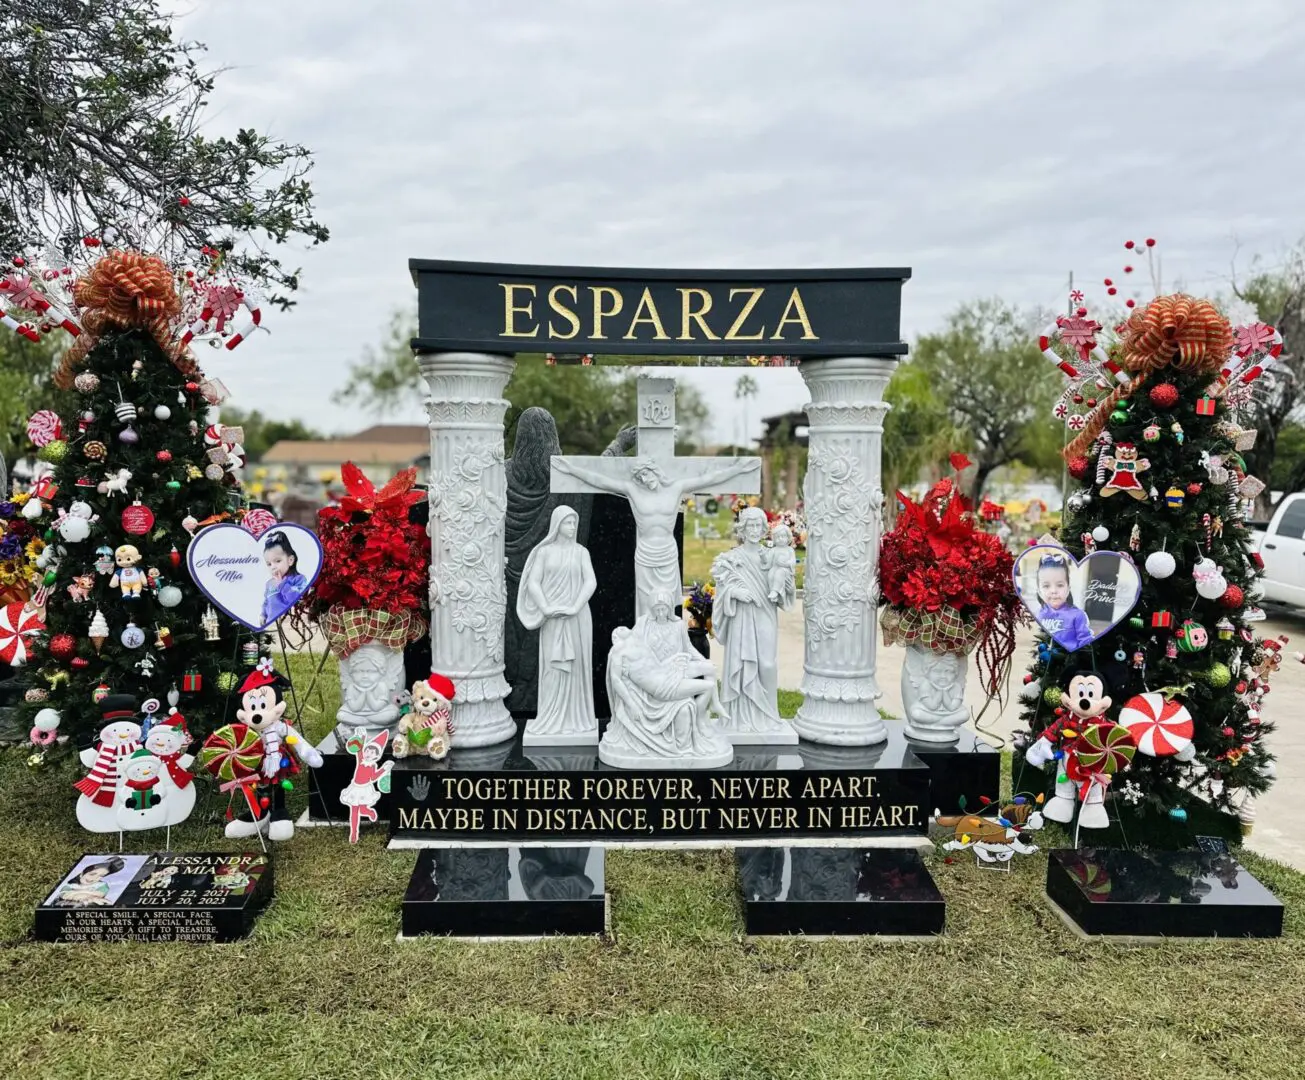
{"type": "Point", "coordinates": [933, 694]}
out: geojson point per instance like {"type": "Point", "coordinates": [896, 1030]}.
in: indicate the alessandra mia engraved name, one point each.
{"type": "Point", "coordinates": [605, 312]}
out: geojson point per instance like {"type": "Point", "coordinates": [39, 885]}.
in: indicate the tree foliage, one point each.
{"type": "Point", "coordinates": [26, 369]}
{"type": "Point", "coordinates": [590, 404]}
{"type": "Point", "coordinates": [995, 386]}
{"type": "Point", "coordinates": [918, 431]}
{"type": "Point", "coordinates": [1279, 300]}
{"type": "Point", "coordinates": [101, 136]}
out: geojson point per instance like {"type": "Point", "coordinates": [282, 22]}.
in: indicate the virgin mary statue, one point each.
{"type": "Point", "coordinates": [556, 585]}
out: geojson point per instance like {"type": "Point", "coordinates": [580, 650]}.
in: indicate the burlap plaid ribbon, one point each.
{"type": "Point", "coordinates": [348, 630]}
{"type": "Point", "coordinates": [943, 631]}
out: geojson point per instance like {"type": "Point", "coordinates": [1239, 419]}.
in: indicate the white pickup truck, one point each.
{"type": "Point", "coordinates": [1281, 545]}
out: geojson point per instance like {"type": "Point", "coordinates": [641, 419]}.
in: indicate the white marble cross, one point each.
{"type": "Point", "coordinates": [656, 482]}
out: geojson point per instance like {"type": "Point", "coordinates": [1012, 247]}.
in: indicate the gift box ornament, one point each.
{"type": "Point", "coordinates": [192, 682]}
{"type": "Point", "coordinates": [1205, 406]}
{"type": "Point", "coordinates": [1162, 620]}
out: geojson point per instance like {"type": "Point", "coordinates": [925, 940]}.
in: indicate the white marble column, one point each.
{"type": "Point", "coordinates": [843, 501]}
{"type": "Point", "coordinates": [468, 498]}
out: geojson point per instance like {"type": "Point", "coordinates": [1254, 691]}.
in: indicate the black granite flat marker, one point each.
{"type": "Point", "coordinates": [792, 890]}
{"type": "Point", "coordinates": [506, 892]}
{"type": "Point", "coordinates": [326, 782]}
{"type": "Point", "coordinates": [969, 768]}
{"type": "Point", "coordinates": [1161, 894]}
{"type": "Point", "coordinates": [173, 896]}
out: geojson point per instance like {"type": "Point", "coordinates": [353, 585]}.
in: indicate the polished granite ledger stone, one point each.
{"type": "Point", "coordinates": [969, 770]}
{"type": "Point", "coordinates": [1117, 892]}
{"type": "Point", "coordinates": [506, 892]}
{"type": "Point", "coordinates": [838, 891]}
{"type": "Point", "coordinates": [510, 794]}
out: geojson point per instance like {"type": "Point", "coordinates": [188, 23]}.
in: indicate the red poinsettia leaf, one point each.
{"type": "Point", "coordinates": [960, 462]}
{"type": "Point", "coordinates": [361, 492]}
{"type": "Point", "coordinates": [398, 492]}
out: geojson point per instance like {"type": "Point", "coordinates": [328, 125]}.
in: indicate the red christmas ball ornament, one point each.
{"type": "Point", "coordinates": [1228, 732]}
{"type": "Point", "coordinates": [1193, 488]}
{"type": "Point", "coordinates": [1130, 303]}
{"type": "Point", "coordinates": [1079, 467]}
{"type": "Point", "coordinates": [137, 519]}
{"type": "Point", "coordinates": [1232, 597]}
{"type": "Point", "coordinates": [63, 646]}
{"type": "Point", "coordinates": [1078, 399]}
{"type": "Point", "coordinates": [1128, 269]}
{"type": "Point", "coordinates": [80, 662]}
{"type": "Point", "coordinates": [183, 201]}
{"type": "Point", "coordinates": [1080, 312]}
{"type": "Point", "coordinates": [1150, 242]}
{"type": "Point", "coordinates": [1129, 244]}
{"type": "Point", "coordinates": [1091, 403]}
{"type": "Point", "coordinates": [1240, 687]}
{"type": "Point", "coordinates": [164, 455]}
{"type": "Point", "coordinates": [1111, 291]}
{"type": "Point", "coordinates": [1108, 281]}
{"type": "Point", "coordinates": [1164, 395]}
{"type": "Point", "coordinates": [192, 388]}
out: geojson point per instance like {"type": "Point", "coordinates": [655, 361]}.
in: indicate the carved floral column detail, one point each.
{"type": "Point", "coordinates": [843, 500]}
{"type": "Point", "coordinates": [468, 499]}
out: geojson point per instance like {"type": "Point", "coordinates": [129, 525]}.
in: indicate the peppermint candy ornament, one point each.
{"type": "Point", "coordinates": [44, 427]}
{"type": "Point", "coordinates": [1159, 727]}
{"type": "Point", "coordinates": [1105, 748]}
{"type": "Point", "coordinates": [19, 624]}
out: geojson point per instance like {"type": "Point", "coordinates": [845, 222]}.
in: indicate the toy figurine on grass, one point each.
{"type": "Point", "coordinates": [1087, 746]}
{"type": "Point", "coordinates": [262, 710]}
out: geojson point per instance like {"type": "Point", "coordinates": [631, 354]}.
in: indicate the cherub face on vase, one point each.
{"type": "Point", "coordinates": [260, 708]}
{"type": "Point", "coordinates": [1087, 696]}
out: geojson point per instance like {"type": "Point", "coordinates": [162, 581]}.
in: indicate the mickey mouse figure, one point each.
{"type": "Point", "coordinates": [1086, 696]}
{"type": "Point", "coordinates": [262, 708]}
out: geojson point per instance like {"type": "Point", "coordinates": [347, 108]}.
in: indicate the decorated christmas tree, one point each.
{"type": "Point", "coordinates": [136, 470]}
{"type": "Point", "coordinates": [1154, 454]}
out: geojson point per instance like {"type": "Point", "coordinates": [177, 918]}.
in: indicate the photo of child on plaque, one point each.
{"type": "Point", "coordinates": [96, 880]}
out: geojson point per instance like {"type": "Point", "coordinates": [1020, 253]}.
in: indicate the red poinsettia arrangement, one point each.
{"type": "Point", "coordinates": [947, 582]}
{"type": "Point", "coordinates": [374, 556]}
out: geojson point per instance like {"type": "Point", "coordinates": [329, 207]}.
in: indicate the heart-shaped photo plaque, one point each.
{"type": "Point", "coordinates": [1076, 602]}
{"type": "Point", "coordinates": [254, 579]}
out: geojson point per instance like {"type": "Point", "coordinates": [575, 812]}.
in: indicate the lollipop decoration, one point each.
{"type": "Point", "coordinates": [233, 755]}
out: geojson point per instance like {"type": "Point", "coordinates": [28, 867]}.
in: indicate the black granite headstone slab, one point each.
{"type": "Point", "coordinates": [1161, 894]}
{"type": "Point", "coordinates": [969, 768]}
{"type": "Point", "coordinates": [203, 898]}
{"type": "Point", "coordinates": [508, 794]}
{"type": "Point", "coordinates": [806, 890]}
{"type": "Point", "coordinates": [506, 892]}
{"type": "Point", "coordinates": [328, 780]}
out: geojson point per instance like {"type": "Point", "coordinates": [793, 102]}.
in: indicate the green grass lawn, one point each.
{"type": "Point", "coordinates": [321, 989]}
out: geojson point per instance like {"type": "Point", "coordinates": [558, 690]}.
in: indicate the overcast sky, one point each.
{"type": "Point", "coordinates": [992, 147]}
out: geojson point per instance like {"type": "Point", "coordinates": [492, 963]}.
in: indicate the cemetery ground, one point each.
{"type": "Point", "coordinates": [321, 988]}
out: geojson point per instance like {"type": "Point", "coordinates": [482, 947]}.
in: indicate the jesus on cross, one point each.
{"type": "Point", "coordinates": [655, 484]}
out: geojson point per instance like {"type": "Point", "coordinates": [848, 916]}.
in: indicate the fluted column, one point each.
{"type": "Point", "coordinates": [468, 499]}
{"type": "Point", "coordinates": [843, 501]}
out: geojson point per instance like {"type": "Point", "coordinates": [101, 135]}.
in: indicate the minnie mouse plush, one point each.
{"type": "Point", "coordinates": [262, 708]}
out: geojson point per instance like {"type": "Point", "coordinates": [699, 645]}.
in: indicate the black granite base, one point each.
{"type": "Point", "coordinates": [327, 782]}
{"type": "Point", "coordinates": [969, 769]}
{"type": "Point", "coordinates": [201, 898]}
{"type": "Point", "coordinates": [508, 794]}
{"type": "Point", "coordinates": [506, 892]}
{"type": "Point", "coordinates": [1161, 894]}
{"type": "Point", "coordinates": [838, 891]}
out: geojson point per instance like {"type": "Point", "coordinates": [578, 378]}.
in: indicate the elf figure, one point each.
{"type": "Point", "coordinates": [262, 708]}
{"type": "Point", "coordinates": [1125, 466]}
{"type": "Point", "coordinates": [370, 780]}
{"type": "Point", "coordinates": [119, 739]}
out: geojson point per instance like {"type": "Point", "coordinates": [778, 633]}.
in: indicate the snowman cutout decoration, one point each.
{"type": "Point", "coordinates": [156, 790]}
{"type": "Point", "coordinates": [119, 739]}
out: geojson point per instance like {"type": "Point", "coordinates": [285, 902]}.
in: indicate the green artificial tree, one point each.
{"type": "Point", "coordinates": [1172, 426]}
{"type": "Point", "coordinates": [132, 463]}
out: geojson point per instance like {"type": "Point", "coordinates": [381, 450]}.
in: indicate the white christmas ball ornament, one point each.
{"type": "Point", "coordinates": [1160, 564]}
{"type": "Point", "coordinates": [162, 412]}
{"type": "Point", "coordinates": [1100, 534]}
{"type": "Point", "coordinates": [169, 596]}
{"type": "Point", "coordinates": [46, 720]}
{"type": "Point", "coordinates": [74, 529]}
{"type": "Point", "coordinates": [1210, 582]}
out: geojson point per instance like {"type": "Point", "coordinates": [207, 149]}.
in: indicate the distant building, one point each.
{"type": "Point", "coordinates": [379, 451]}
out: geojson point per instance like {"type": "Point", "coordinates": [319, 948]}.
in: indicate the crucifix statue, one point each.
{"type": "Point", "coordinates": [656, 482]}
